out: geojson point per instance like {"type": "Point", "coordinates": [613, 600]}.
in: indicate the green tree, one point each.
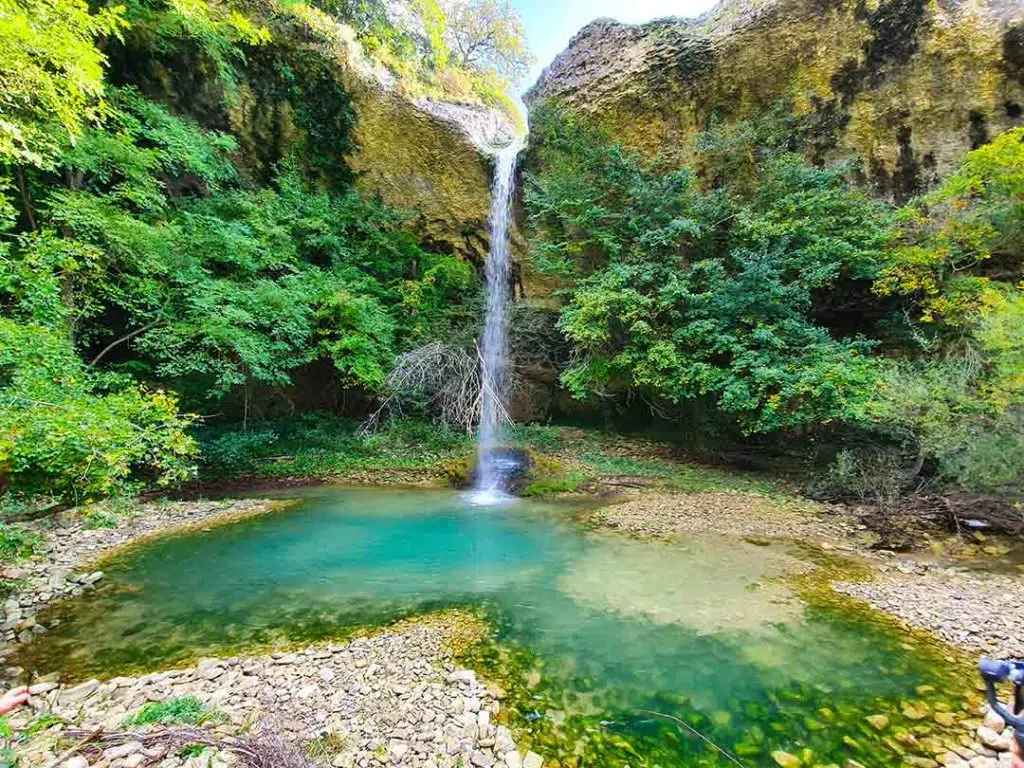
{"type": "Point", "coordinates": [958, 262]}
{"type": "Point", "coordinates": [682, 293]}
{"type": "Point", "coordinates": [487, 36]}
{"type": "Point", "coordinates": [68, 433]}
{"type": "Point", "coordinates": [51, 74]}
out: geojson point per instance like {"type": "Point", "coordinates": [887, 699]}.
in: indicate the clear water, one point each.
{"type": "Point", "coordinates": [495, 368]}
{"type": "Point", "coordinates": [601, 627]}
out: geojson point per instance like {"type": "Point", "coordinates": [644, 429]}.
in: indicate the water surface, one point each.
{"type": "Point", "coordinates": [606, 628]}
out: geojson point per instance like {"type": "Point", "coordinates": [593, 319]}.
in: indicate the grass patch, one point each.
{"type": "Point", "coordinates": [604, 464]}
{"type": "Point", "coordinates": [18, 543]}
{"type": "Point", "coordinates": [321, 445]}
{"type": "Point", "coordinates": [323, 748]}
{"type": "Point", "coordinates": [182, 710]}
{"type": "Point", "coordinates": [42, 723]}
{"type": "Point", "coordinates": [317, 445]}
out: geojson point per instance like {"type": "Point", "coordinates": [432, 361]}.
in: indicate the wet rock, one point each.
{"type": "Point", "coordinates": [878, 722]}
{"type": "Point", "coordinates": [785, 759]}
{"type": "Point", "coordinates": [994, 740]}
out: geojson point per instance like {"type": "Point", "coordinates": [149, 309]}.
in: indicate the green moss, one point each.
{"type": "Point", "coordinates": [569, 482]}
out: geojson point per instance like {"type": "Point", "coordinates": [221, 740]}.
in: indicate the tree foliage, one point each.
{"type": "Point", "coordinates": [958, 259]}
{"type": "Point", "coordinates": [962, 244]}
{"type": "Point", "coordinates": [72, 434]}
{"type": "Point", "coordinates": [137, 259]}
{"type": "Point", "coordinates": [719, 284]}
{"type": "Point", "coordinates": [461, 49]}
{"type": "Point", "coordinates": [488, 36]}
{"type": "Point", "coordinates": [680, 292]}
{"type": "Point", "coordinates": [51, 74]}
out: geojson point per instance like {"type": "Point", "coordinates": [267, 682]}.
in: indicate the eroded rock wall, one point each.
{"type": "Point", "coordinates": [312, 95]}
{"type": "Point", "coordinates": [907, 86]}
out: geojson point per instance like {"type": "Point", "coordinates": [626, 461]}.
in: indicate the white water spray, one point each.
{"type": "Point", "coordinates": [494, 399]}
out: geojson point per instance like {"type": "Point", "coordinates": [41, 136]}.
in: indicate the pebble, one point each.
{"type": "Point", "coordinates": [976, 610]}
{"type": "Point", "coordinates": [395, 695]}
{"type": "Point", "coordinates": [994, 740]}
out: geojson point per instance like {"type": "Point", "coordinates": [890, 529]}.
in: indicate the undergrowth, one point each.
{"type": "Point", "coordinates": [319, 445]}
{"type": "Point", "coordinates": [182, 710]}
{"type": "Point", "coordinates": [17, 543]}
{"type": "Point", "coordinates": [569, 459]}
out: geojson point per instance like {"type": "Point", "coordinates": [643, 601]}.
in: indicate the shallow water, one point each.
{"type": "Point", "coordinates": [604, 626]}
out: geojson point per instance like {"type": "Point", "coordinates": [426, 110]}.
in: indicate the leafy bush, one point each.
{"type": "Point", "coordinates": [958, 258]}
{"type": "Point", "coordinates": [72, 434]}
{"type": "Point", "coordinates": [938, 404]}
{"type": "Point", "coordinates": [320, 444]}
{"type": "Point", "coordinates": [17, 543]}
{"type": "Point", "coordinates": [680, 293]}
{"type": "Point", "coordinates": [237, 449]}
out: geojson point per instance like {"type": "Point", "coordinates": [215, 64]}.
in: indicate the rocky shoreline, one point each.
{"type": "Point", "coordinates": [978, 611]}
{"type": "Point", "coordinates": [395, 697]}
{"type": "Point", "coordinates": [740, 514]}
{"type": "Point", "coordinates": [69, 560]}
{"type": "Point", "coordinates": [391, 698]}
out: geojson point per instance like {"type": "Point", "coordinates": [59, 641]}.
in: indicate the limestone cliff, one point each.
{"type": "Point", "coordinates": [424, 157]}
{"type": "Point", "coordinates": [311, 94]}
{"type": "Point", "coordinates": [908, 86]}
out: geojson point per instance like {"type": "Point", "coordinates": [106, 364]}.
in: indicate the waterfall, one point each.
{"type": "Point", "coordinates": [494, 398]}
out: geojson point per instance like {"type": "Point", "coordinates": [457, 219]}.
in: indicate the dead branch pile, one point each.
{"type": "Point", "coordinates": [445, 381]}
{"type": "Point", "coordinates": [264, 750]}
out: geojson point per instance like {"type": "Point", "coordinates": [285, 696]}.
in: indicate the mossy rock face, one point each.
{"type": "Point", "coordinates": [906, 86]}
{"type": "Point", "coordinates": [310, 94]}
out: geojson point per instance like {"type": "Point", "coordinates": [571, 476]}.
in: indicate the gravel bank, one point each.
{"type": "Point", "coordinates": [392, 698]}
{"type": "Point", "coordinates": [972, 609]}
{"type": "Point", "coordinates": [730, 514]}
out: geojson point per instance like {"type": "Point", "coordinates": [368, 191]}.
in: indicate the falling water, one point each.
{"type": "Point", "coordinates": [494, 400]}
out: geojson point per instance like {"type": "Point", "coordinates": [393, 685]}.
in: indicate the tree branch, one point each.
{"type": "Point", "coordinates": [122, 340]}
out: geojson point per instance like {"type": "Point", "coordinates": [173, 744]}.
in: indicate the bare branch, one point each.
{"type": "Point", "coordinates": [122, 340]}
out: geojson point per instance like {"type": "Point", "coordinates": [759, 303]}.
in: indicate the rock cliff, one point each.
{"type": "Point", "coordinates": [907, 86]}
{"type": "Point", "coordinates": [312, 95]}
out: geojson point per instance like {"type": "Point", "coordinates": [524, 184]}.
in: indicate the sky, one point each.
{"type": "Point", "coordinates": [550, 24]}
